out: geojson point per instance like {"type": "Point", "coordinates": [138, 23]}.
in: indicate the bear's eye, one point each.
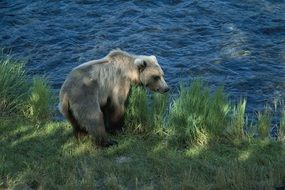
{"type": "Point", "coordinates": [156, 78]}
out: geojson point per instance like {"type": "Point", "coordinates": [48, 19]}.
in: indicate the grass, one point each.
{"type": "Point", "coordinates": [281, 134]}
{"type": "Point", "coordinates": [238, 121]}
{"type": "Point", "coordinates": [13, 88]}
{"type": "Point", "coordinates": [196, 116]}
{"type": "Point", "coordinates": [19, 97]}
{"type": "Point", "coordinates": [198, 141]}
{"type": "Point", "coordinates": [50, 158]}
{"type": "Point", "coordinates": [264, 122]}
{"type": "Point", "coordinates": [141, 117]}
{"type": "Point", "coordinates": [38, 107]}
{"type": "Point", "coordinates": [138, 120]}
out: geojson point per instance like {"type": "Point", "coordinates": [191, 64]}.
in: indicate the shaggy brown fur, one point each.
{"type": "Point", "coordinates": [94, 93]}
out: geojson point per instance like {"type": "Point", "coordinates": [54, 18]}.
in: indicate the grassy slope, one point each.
{"type": "Point", "coordinates": [50, 158]}
{"type": "Point", "coordinates": [196, 142]}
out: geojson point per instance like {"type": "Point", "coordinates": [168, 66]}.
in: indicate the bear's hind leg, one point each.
{"type": "Point", "coordinates": [78, 131]}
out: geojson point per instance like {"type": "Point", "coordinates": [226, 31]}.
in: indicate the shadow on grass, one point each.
{"type": "Point", "coordinates": [49, 157]}
{"type": "Point", "coordinates": [27, 147]}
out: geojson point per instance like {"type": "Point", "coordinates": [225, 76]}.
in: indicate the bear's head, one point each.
{"type": "Point", "coordinates": [151, 74]}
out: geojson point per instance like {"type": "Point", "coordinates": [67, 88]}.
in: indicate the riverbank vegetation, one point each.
{"type": "Point", "coordinates": [197, 140]}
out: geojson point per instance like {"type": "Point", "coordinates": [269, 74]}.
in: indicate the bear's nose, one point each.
{"type": "Point", "coordinates": [166, 89]}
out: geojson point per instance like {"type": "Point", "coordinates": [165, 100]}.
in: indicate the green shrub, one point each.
{"type": "Point", "coordinates": [186, 114]}
{"type": "Point", "coordinates": [195, 115]}
{"type": "Point", "coordinates": [39, 106]}
{"type": "Point", "coordinates": [13, 87]}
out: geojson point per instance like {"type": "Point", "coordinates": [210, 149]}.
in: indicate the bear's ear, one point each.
{"type": "Point", "coordinates": [141, 64]}
{"type": "Point", "coordinates": [153, 58]}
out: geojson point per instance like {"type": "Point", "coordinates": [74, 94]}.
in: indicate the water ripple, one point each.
{"type": "Point", "coordinates": [238, 44]}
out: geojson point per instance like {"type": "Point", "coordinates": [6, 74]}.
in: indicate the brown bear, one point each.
{"type": "Point", "coordinates": [94, 94]}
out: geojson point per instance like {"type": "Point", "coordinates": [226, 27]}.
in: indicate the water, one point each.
{"type": "Point", "coordinates": [236, 43]}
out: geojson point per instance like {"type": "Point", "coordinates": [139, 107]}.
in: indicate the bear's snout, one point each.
{"type": "Point", "coordinates": [163, 90]}
{"type": "Point", "coordinates": [166, 89]}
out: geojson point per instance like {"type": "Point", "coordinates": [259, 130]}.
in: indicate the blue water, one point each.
{"type": "Point", "coordinates": [236, 43]}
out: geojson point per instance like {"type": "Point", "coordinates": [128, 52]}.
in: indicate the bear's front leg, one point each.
{"type": "Point", "coordinates": [92, 119]}
{"type": "Point", "coordinates": [116, 119]}
{"type": "Point", "coordinates": [99, 133]}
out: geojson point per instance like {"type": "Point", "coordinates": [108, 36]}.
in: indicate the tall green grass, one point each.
{"type": "Point", "coordinates": [39, 106]}
{"type": "Point", "coordinates": [281, 134]}
{"type": "Point", "coordinates": [145, 115]}
{"type": "Point", "coordinates": [264, 122]}
{"type": "Point", "coordinates": [159, 113]}
{"type": "Point", "coordinates": [196, 116]}
{"type": "Point", "coordinates": [137, 116]}
{"type": "Point", "coordinates": [22, 98]}
{"type": "Point", "coordinates": [13, 87]}
{"type": "Point", "coordinates": [237, 124]}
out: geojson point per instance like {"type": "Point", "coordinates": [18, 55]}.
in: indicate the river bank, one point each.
{"type": "Point", "coordinates": [198, 141]}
